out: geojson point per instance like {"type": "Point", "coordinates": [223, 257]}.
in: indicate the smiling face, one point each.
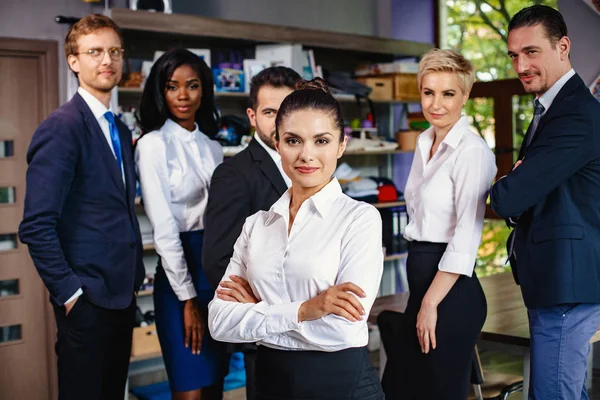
{"type": "Point", "coordinates": [442, 99]}
{"type": "Point", "coordinates": [98, 77]}
{"type": "Point", "coordinates": [536, 61]}
{"type": "Point", "coordinates": [309, 145]}
{"type": "Point", "coordinates": [183, 93]}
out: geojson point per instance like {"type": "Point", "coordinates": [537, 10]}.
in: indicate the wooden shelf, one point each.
{"type": "Point", "coordinates": [149, 247]}
{"type": "Point", "coordinates": [194, 25]}
{"type": "Point", "coordinates": [347, 153]}
{"type": "Point", "coordinates": [393, 257]}
{"type": "Point", "coordinates": [390, 204]}
{"type": "Point", "coordinates": [147, 292]}
{"type": "Point", "coordinates": [341, 97]}
{"type": "Point", "coordinates": [148, 356]}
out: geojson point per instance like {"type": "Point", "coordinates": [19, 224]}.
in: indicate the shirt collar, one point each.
{"type": "Point", "coordinates": [453, 137]}
{"type": "Point", "coordinates": [174, 128]}
{"type": "Point", "coordinates": [322, 200]}
{"type": "Point", "coordinates": [273, 153]}
{"type": "Point", "coordinates": [95, 105]}
{"type": "Point", "coordinates": [547, 98]}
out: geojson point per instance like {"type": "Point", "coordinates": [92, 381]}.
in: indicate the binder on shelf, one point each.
{"type": "Point", "coordinates": [394, 221]}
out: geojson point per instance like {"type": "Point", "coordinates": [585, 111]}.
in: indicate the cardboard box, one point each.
{"type": "Point", "coordinates": [382, 87]}
{"type": "Point", "coordinates": [145, 342]}
{"type": "Point", "coordinates": [406, 88]}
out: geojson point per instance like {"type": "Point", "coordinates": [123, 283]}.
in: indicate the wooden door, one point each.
{"type": "Point", "coordinates": [29, 92]}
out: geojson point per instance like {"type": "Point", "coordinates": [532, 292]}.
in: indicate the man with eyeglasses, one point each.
{"type": "Point", "coordinates": [79, 220]}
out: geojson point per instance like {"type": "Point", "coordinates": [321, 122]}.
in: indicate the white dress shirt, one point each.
{"type": "Point", "coordinates": [276, 158]}
{"type": "Point", "coordinates": [174, 167]}
{"type": "Point", "coordinates": [445, 195]}
{"type": "Point", "coordinates": [334, 239]}
{"type": "Point", "coordinates": [98, 109]}
{"type": "Point", "coordinates": [547, 98]}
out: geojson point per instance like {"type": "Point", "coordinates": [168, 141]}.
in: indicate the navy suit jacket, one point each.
{"type": "Point", "coordinates": [241, 186]}
{"type": "Point", "coordinates": [79, 220]}
{"type": "Point", "coordinates": [555, 194]}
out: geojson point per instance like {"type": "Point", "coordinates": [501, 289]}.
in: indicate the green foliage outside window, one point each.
{"type": "Point", "coordinates": [478, 30]}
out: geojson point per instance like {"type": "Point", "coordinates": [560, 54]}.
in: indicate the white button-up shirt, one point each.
{"type": "Point", "coordinates": [446, 195]}
{"type": "Point", "coordinates": [174, 167]}
{"type": "Point", "coordinates": [334, 239]}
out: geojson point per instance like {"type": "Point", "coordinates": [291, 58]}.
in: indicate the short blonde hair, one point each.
{"type": "Point", "coordinates": [437, 60]}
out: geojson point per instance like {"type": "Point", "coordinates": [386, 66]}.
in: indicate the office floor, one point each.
{"type": "Point", "coordinates": [494, 360]}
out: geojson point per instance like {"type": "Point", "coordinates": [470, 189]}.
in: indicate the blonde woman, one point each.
{"type": "Point", "coordinates": [446, 191]}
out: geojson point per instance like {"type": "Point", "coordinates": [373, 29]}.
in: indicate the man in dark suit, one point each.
{"type": "Point", "coordinates": [552, 196]}
{"type": "Point", "coordinates": [79, 220]}
{"type": "Point", "coordinates": [249, 182]}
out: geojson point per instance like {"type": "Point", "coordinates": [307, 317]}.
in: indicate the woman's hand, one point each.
{"type": "Point", "coordinates": [238, 290]}
{"type": "Point", "coordinates": [337, 300]}
{"type": "Point", "coordinates": [193, 322]}
{"type": "Point", "coordinates": [426, 323]}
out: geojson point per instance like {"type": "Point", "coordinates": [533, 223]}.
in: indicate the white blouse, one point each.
{"type": "Point", "coordinates": [446, 195]}
{"type": "Point", "coordinates": [174, 167]}
{"type": "Point", "coordinates": [334, 239]}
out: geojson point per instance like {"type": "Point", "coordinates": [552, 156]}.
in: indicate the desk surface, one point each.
{"type": "Point", "coordinates": [506, 320]}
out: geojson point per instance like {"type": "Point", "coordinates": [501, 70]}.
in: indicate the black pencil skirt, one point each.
{"type": "Point", "coordinates": [316, 375]}
{"type": "Point", "coordinates": [444, 373]}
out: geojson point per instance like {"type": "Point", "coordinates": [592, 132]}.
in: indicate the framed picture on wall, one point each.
{"type": "Point", "coordinates": [163, 6]}
{"type": "Point", "coordinates": [595, 88]}
{"type": "Point", "coordinates": [594, 4]}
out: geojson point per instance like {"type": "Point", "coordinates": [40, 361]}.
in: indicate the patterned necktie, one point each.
{"type": "Point", "coordinates": [114, 138]}
{"type": "Point", "coordinates": [538, 110]}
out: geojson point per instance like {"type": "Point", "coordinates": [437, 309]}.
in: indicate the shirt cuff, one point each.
{"type": "Point", "coordinates": [457, 263]}
{"type": "Point", "coordinates": [186, 292]}
{"type": "Point", "coordinates": [283, 317]}
{"type": "Point", "coordinates": [78, 293]}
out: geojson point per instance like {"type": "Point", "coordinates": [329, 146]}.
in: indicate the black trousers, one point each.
{"type": "Point", "coordinates": [316, 375]}
{"type": "Point", "coordinates": [443, 373]}
{"type": "Point", "coordinates": [250, 366]}
{"type": "Point", "coordinates": [93, 348]}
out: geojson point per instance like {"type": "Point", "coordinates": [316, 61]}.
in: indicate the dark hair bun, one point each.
{"type": "Point", "coordinates": [315, 84]}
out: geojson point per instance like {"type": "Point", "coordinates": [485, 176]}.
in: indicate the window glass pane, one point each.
{"type": "Point", "coordinates": [491, 256]}
{"type": "Point", "coordinates": [7, 195]}
{"type": "Point", "coordinates": [8, 241]}
{"type": "Point", "coordinates": [7, 148]}
{"type": "Point", "coordinates": [480, 112]}
{"type": "Point", "coordinates": [10, 333]}
{"type": "Point", "coordinates": [522, 116]}
{"type": "Point", "coordinates": [9, 287]}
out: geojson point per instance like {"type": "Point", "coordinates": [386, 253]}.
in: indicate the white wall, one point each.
{"type": "Point", "coordinates": [584, 30]}
{"type": "Point", "coordinates": [34, 19]}
{"type": "Point", "coordinates": [350, 16]}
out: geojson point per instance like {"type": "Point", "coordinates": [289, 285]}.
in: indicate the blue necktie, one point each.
{"type": "Point", "coordinates": [114, 138]}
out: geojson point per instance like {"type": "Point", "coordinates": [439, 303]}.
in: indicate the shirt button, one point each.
{"type": "Point", "coordinates": [279, 275]}
{"type": "Point", "coordinates": [285, 254]}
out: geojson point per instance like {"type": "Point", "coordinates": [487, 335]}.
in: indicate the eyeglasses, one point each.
{"type": "Point", "coordinates": [115, 53]}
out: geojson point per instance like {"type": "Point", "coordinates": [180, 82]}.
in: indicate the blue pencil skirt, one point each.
{"type": "Point", "coordinates": [185, 370]}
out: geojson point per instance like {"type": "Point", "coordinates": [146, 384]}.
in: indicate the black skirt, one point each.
{"type": "Point", "coordinates": [315, 375]}
{"type": "Point", "coordinates": [443, 373]}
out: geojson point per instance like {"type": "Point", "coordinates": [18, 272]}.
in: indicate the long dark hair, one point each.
{"type": "Point", "coordinates": [154, 110]}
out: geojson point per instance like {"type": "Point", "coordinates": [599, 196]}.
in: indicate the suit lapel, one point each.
{"type": "Point", "coordinates": [566, 90]}
{"type": "Point", "coordinates": [268, 167]}
{"type": "Point", "coordinates": [100, 140]}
